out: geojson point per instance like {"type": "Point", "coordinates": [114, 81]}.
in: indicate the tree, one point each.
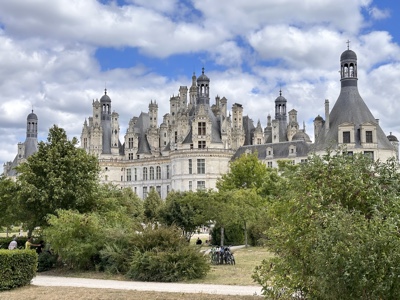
{"type": "Point", "coordinates": [335, 231]}
{"type": "Point", "coordinates": [152, 205]}
{"type": "Point", "coordinates": [241, 191]}
{"type": "Point", "coordinates": [58, 176]}
{"type": "Point", "coordinates": [8, 204]}
{"type": "Point", "coordinates": [185, 210]}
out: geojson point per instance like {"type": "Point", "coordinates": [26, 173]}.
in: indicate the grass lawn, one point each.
{"type": "Point", "coordinates": [239, 274]}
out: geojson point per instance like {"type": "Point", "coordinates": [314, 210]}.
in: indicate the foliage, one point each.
{"type": "Point", "coordinates": [46, 261]}
{"type": "Point", "coordinates": [162, 254]}
{"type": "Point", "coordinates": [248, 172]}
{"type": "Point", "coordinates": [8, 194]}
{"type": "Point", "coordinates": [233, 234]}
{"type": "Point", "coordinates": [335, 233]}
{"type": "Point", "coordinates": [5, 241]}
{"type": "Point", "coordinates": [152, 205]}
{"type": "Point", "coordinates": [185, 210]}
{"type": "Point", "coordinates": [58, 176]}
{"type": "Point", "coordinates": [18, 267]}
{"type": "Point", "coordinates": [76, 237]}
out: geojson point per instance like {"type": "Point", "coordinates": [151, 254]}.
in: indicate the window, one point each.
{"type": "Point", "coordinates": [144, 192]}
{"type": "Point", "coordinates": [176, 136]}
{"type": "Point", "coordinates": [201, 185]}
{"type": "Point", "coordinates": [201, 144]}
{"type": "Point", "coordinates": [368, 136]}
{"type": "Point", "coordinates": [106, 177]}
{"type": "Point", "coordinates": [144, 173]}
{"type": "Point", "coordinates": [346, 137]}
{"type": "Point", "coordinates": [151, 173]}
{"type": "Point", "coordinates": [128, 175]}
{"type": "Point", "coordinates": [201, 128]}
{"type": "Point", "coordinates": [135, 189]}
{"type": "Point", "coordinates": [167, 189]}
{"type": "Point", "coordinates": [190, 185]}
{"type": "Point", "coordinates": [130, 156]}
{"type": "Point", "coordinates": [158, 189]}
{"type": "Point", "coordinates": [190, 166]}
{"type": "Point", "coordinates": [269, 164]}
{"type": "Point", "coordinates": [135, 174]}
{"type": "Point", "coordinates": [369, 154]}
{"type": "Point", "coordinates": [201, 166]}
{"type": "Point", "coordinates": [158, 172]}
{"type": "Point", "coordinates": [167, 172]}
{"type": "Point", "coordinates": [258, 141]}
{"type": "Point", "coordinates": [130, 143]}
{"type": "Point", "coordinates": [85, 142]}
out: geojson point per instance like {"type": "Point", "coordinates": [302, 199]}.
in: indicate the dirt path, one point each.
{"type": "Point", "coordinates": [147, 286]}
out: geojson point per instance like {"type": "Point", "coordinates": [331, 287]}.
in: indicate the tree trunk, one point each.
{"type": "Point", "coordinates": [245, 234]}
{"type": "Point", "coordinates": [222, 235]}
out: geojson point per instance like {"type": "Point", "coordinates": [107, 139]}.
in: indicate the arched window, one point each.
{"type": "Point", "coordinates": [158, 172]}
{"type": "Point", "coordinates": [144, 173]}
{"type": "Point", "coordinates": [151, 173]}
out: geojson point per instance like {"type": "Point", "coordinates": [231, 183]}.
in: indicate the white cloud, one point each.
{"type": "Point", "coordinates": [47, 61]}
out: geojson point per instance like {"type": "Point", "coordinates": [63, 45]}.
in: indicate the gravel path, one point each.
{"type": "Point", "coordinates": [147, 286]}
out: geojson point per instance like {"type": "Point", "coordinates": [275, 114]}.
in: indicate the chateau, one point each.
{"type": "Point", "coordinates": [196, 140]}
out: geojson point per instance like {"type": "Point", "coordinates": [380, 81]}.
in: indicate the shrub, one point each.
{"type": "Point", "coordinates": [5, 241]}
{"type": "Point", "coordinates": [46, 261]}
{"type": "Point", "coordinates": [164, 255]}
{"type": "Point", "coordinates": [18, 267]}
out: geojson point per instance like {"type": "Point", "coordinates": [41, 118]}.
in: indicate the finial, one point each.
{"type": "Point", "coordinates": [348, 44]}
{"type": "Point", "coordinates": [280, 92]}
{"type": "Point", "coordinates": [105, 91]}
{"type": "Point", "coordinates": [202, 70]}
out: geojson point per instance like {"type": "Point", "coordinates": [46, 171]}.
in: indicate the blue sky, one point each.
{"type": "Point", "coordinates": [57, 56]}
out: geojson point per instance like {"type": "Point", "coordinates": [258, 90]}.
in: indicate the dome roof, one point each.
{"type": "Point", "coordinates": [301, 136]}
{"type": "Point", "coordinates": [32, 116]}
{"type": "Point", "coordinates": [105, 97]}
{"type": "Point", "coordinates": [392, 138]}
{"type": "Point", "coordinates": [280, 97]}
{"type": "Point", "coordinates": [318, 118]}
{"type": "Point", "coordinates": [348, 54]}
{"type": "Point", "coordinates": [202, 77]}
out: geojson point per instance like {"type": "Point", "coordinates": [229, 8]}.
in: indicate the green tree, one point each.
{"type": "Point", "coordinates": [185, 210]}
{"type": "Point", "coordinates": [335, 231]}
{"type": "Point", "coordinates": [241, 191]}
{"type": "Point", "coordinates": [8, 203]}
{"type": "Point", "coordinates": [152, 205]}
{"type": "Point", "coordinates": [58, 176]}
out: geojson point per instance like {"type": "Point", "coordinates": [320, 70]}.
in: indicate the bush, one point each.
{"type": "Point", "coordinates": [164, 255]}
{"type": "Point", "coordinates": [46, 261]}
{"type": "Point", "coordinates": [18, 267]}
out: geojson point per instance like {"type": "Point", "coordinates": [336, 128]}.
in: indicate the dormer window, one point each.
{"type": "Point", "coordinates": [346, 137]}
{"type": "Point", "coordinates": [368, 136]}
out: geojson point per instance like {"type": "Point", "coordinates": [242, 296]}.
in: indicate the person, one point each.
{"type": "Point", "coordinates": [39, 249]}
{"type": "Point", "coordinates": [29, 244]}
{"type": "Point", "coordinates": [199, 242]}
{"type": "Point", "coordinates": [13, 244]}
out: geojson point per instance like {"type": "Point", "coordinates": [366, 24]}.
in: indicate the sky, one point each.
{"type": "Point", "coordinates": [57, 56]}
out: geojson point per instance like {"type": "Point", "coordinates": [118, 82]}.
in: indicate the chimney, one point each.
{"type": "Point", "coordinates": [326, 115]}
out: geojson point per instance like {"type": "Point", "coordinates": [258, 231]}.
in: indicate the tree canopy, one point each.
{"type": "Point", "coordinates": [335, 230]}
{"type": "Point", "coordinates": [58, 176]}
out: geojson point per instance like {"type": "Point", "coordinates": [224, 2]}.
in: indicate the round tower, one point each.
{"type": "Point", "coordinates": [105, 103]}
{"type": "Point", "coordinates": [348, 68]}
{"type": "Point", "coordinates": [203, 89]}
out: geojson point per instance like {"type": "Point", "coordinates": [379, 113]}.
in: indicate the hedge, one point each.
{"type": "Point", "coordinates": [5, 241]}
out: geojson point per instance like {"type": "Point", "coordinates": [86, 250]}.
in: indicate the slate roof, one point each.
{"type": "Point", "coordinates": [350, 108]}
{"type": "Point", "coordinates": [280, 150]}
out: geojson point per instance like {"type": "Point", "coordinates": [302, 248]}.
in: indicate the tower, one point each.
{"type": "Point", "coordinates": [280, 118]}
{"type": "Point", "coordinates": [105, 103]}
{"type": "Point", "coordinates": [203, 89]}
